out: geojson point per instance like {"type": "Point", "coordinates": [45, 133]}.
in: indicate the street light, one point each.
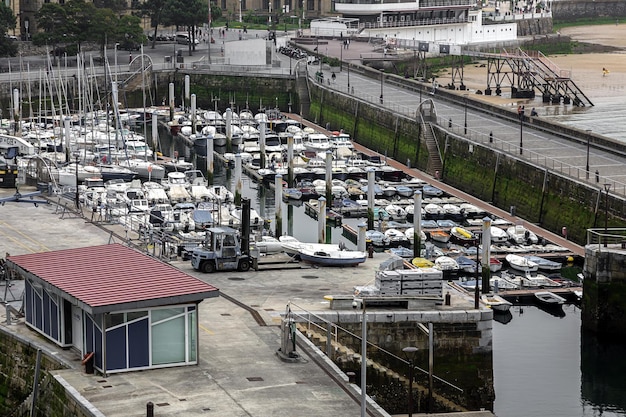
{"type": "Point", "coordinates": [409, 352]}
{"type": "Point", "coordinates": [77, 195]}
{"type": "Point", "coordinates": [521, 129]}
{"type": "Point", "coordinates": [607, 188]}
{"type": "Point", "coordinates": [355, 304]}
{"type": "Point", "coordinates": [382, 80]}
{"type": "Point", "coordinates": [587, 166]}
{"type": "Point", "coordinates": [465, 124]}
{"type": "Point", "coordinates": [348, 64]}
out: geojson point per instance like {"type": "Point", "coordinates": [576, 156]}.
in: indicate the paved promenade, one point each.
{"type": "Point", "coordinates": [239, 373]}
{"type": "Point", "coordinates": [567, 156]}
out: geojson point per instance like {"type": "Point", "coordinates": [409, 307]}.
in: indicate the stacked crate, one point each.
{"type": "Point", "coordinates": [422, 281]}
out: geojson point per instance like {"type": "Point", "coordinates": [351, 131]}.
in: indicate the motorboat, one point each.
{"type": "Point", "coordinates": [404, 191]}
{"type": "Point", "coordinates": [466, 264]}
{"type": "Point", "coordinates": [318, 256]}
{"type": "Point", "coordinates": [429, 224]}
{"type": "Point", "coordinates": [145, 169]}
{"type": "Point", "coordinates": [397, 238]}
{"type": "Point", "coordinates": [155, 193]}
{"type": "Point", "coordinates": [541, 281]}
{"type": "Point", "coordinates": [422, 263]}
{"type": "Point", "coordinates": [496, 302]}
{"type": "Point", "coordinates": [389, 190]}
{"type": "Point", "coordinates": [545, 264]}
{"type": "Point", "coordinates": [462, 236]}
{"type": "Point", "coordinates": [500, 283]}
{"type": "Point", "coordinates": [269, 244]}
{"type": "Point", "coordinates": [439, 235]}
{"type": "Point", "coordinates": [396, 212]}
{"type": "Point", "coordinates": [377, 238]}
{"type": "Point", "coordinates": [446, 223]}
{"type": "Point", "coordinates": [521, 235]}
{"type": "Point", "coordinates": [402, 252]}
{"type": "Point", "coordinates": [498, 235]}
{"type": "Point", "coordinates": [453, 212]}
{"type": "Point", "coordinates": [221, 194]}
{"type": "Point", "coordinates": [430, 190]}
{"type": "Point", "coordinates": [495, 264]}
{"type": "Point", "coordinates": [292, 193]}
{"type": "Point", "coordinates": [549, 298]}
{"type": "Point", "coordinates": [203, 216]}
{"type": "Point", "coordinates": [200, 193]}
{"type": "Point", "coordinates": [445, 263]}
{"type": "Point", "coordinates": [255, 218]}
{"type": "Point", "coordinates": [521, 263]}
{"type": "Point", "coordinates": [433, 211]}
{"type": "Point", "coordinates": [176, 164]}
{"type": "Point", "coordinates": [472, 211]}
{"type": "Point", "coordinates": [410, 234]}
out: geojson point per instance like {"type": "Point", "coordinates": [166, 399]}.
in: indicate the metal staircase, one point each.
{"type": "Point", "coordinates": [302, 88]}
{"type": "Point", "coordinates": [527, 72]}
{"type": "Point", "coordinates": [427, 115]}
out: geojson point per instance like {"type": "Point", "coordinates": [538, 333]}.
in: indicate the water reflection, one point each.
{"type": "Point", "coordinates": [503, 318]}
{"type": "Point", "coordinates": [603, 367]}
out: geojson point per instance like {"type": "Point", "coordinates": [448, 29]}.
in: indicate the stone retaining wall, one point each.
{"type": "Point", "coordinates": [572, 9]}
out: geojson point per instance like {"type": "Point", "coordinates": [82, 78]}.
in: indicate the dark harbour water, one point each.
{"type": "Point", "coordinates": [543, 365]}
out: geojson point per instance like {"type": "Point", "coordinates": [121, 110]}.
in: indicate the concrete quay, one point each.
{"type": "Point", "coordinates": [239, 372]}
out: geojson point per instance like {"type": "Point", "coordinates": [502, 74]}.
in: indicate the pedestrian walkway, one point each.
{"type": "Point", "coordinates": [462, 113]}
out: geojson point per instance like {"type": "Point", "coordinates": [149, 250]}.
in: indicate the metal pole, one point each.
{"type": "Point", "coordinates": [363, 361]}
{"type": "Point", "coordinates": [77, 196]}
{"type": "Point", "coordinates": [348, 77]}
{"type": "Point", "coordinates": [607, 187]}
{"type": "Point", "coordinates": [465, 124]}
{"type": "Point", "coordinates": [409, 351]}
{"type": "Point", "coordinates": [382, 80]}
{"type": "Point", "coordinates": [587, 166]}
{"type": "Point", "coordinates": [521, 126]}
{"type": "Point", "coordinates": [430, 367]}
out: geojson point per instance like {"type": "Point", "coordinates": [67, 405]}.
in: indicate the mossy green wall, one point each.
{"type": "Point", "coordinates": [477, 170]}
{"type": "Point", "coordinates": [18, 360]}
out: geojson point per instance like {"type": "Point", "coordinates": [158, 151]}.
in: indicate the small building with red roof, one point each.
{"type": "Point", "coordinates": [130, 310]}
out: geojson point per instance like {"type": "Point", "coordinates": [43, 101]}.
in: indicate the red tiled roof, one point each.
{"type": "Point", "coordinates": [114, 277]}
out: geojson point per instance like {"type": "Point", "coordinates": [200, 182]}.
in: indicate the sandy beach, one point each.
{"type": "Point", "coordinates": [586, 70]}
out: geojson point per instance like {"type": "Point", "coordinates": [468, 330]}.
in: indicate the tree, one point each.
{"type": "Point", "coordinates": [186, 13]}
{"type": "Point", "coordinates": [153, 10]}
{"type": "Point", "coordinates": [7, 22]}
{"type": "Point", "coordinates": [51, 20]}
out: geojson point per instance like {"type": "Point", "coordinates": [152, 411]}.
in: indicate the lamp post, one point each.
{"type": "Point", "coordinates": [465, 123]}
{"type": "Point", "coordinates": [77, 196]}
{"type": "Point", "coordinates": [348, 64]}
{"type": "Point", "coordinates": [363, 360]}
{"type": "Point", "coordinates": [521, 129]}
{"type": "Point", "coordinates": [341, 55]}
{"type": "Point", "coordinates": [382, 80]}
{"type": "Point", "coordinates": [607, 188]}
{"type": "Point", "coordinates": [476, 289]}
{"type": "Point", "coordinates": [409, 352]}
{"type": "Point", "coordinates": [587, 166]}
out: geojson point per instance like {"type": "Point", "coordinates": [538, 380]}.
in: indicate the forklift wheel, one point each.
{"type": "Point", "coordinates": [208, 267]}
{"type": "Point", "coordinates": [244, 265]}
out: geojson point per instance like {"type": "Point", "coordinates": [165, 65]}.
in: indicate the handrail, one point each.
{"type": "Point", "coordinates": [323, 320]}
{"type": "Point", "coordinates": [484, 139]}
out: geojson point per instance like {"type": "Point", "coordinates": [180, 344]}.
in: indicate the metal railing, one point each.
{"type": "Point", "coordinates": [493, 141]}
{"type": "Point", "coordinates": [608, 238]}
